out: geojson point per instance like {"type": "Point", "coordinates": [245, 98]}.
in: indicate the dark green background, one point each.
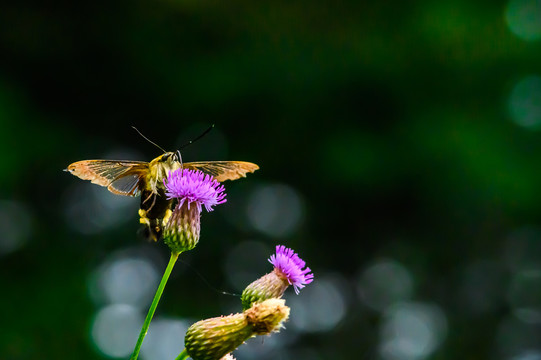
{"type": "Point", "coordinates": [390, 119]}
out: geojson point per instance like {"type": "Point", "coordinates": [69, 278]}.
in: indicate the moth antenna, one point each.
{"type": "Point", "coordinates": [147, 139]}
{"type": "Point", "coordinates": [180, 159]}
{"type": "Point", "coordinates": [197, 138]}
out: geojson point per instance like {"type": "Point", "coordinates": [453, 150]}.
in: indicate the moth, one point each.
{"type": "Point", "coordinates": [134, 178]}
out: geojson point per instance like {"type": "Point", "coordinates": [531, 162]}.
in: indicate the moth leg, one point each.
{"type": "Point", "coordinates": [153, 196]}
{"type": "Point", "coordinates": [153, 203]}
{"type": "Point", "coordinates": [148, 197]}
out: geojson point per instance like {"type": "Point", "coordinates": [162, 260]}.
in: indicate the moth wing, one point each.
{"type": "Point", "coordinates": [120, 177]}
{"type": "Point", "coordinates": [129, 184]}
{"type": "Point", "coordinates": [223, 170]}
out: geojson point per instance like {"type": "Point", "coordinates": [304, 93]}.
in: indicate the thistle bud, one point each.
{"type": "Point", "coordinates": [181, 232]}
{"type": "Point", "coordinates": [266, 287]}
{"type": "Point", "coordinates": [212, 339]}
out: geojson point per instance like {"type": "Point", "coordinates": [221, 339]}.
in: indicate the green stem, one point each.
{"type": "Point", "coordinates": [150, 314]}
{"type": "Point", "coordinates": [183, 355]}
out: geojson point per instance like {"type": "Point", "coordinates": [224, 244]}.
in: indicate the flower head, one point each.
{"type": "Point", "coordinates": [191, 189]}
{"type": "Point", "coordinates": [193, 186]}
{"type": "Point", "coordinates": [288, 270]}
{"type": "Point", "coordinates": [289, 266]}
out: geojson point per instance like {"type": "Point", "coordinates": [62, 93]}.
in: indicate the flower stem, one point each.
{"type": "Point", "coordinates": [150, 314]}
{"type": "Point", "coordinates": [183, 355]}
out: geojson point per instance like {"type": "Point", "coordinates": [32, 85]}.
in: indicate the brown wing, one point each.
{"type": "Point", "coordinates": [120, 177]}
{"type": "Point", "coordinates": [223, 170]}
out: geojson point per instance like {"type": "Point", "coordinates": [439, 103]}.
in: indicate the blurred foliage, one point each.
{"type": "Point", "coordinates": [389, 118]}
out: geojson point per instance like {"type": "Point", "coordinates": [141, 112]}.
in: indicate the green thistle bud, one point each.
{"type": "Point", "coordinates": [181, 232]}
{"type": "Point", "coordinates": [266, 287]}
{"type": "Point", "coordinates": [212, 339]}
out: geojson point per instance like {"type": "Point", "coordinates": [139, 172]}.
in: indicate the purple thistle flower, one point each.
{"type": "Point", "coordinates": [194, 186]}
{"type": "Point", "coordinates": [189, 187]}
{"type": "Point", "coordinates": [290, 266]}
{"type": "Point", "coordinates": [288, 270]}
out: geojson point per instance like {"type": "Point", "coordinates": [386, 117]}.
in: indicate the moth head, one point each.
{"type": "Point", "coordinates": [169, 157]}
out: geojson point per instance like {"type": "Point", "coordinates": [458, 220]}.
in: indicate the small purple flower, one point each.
{"type": "Point", "coordinates": [290, 267]}
{"type": "Point", "coordinates": [288, 270]}
{"type": "Point", "coordinates": [183, 226]}
{"type": "Point", "coordinates": [193, 186]}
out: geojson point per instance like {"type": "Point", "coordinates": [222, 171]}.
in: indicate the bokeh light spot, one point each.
{"type": "Point", "coordinates": [165, 339]}
{"type": "Point", "coordinates": [525, 295]}
{"type": "Point", "coordinates": [525, 102]}
{"type": "Point", "coordinates": [115, 329]}
{"type": "Point", "coordinates": [16, 225]}
{"type": "Point", "coordinates": [385, 283]}
{"type": "Point", "coordinates": [320, 306]}
{"type": "Point", "coordinates": [91, 209]}
{"type": "Point", "coordinates": [275, 210]}
{"type": "Point", "coordinates": [528, 355]}
{"type": "Point", "coordinates": [125, 280]}
{"type": "Point", "coordinates": [412, 331]}
{"type": "Point", "coordinates": [524, 18]}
